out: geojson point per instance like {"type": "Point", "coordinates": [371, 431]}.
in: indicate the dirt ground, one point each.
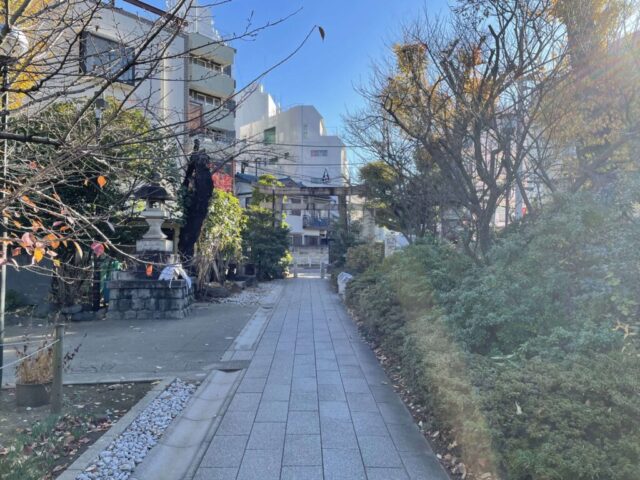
{"type": "Point", "coordinates": [89, 409]}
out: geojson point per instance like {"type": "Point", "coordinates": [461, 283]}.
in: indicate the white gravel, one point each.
{"type": "Point", "coordinates": [129, 449]}
{"type": "Point", "coordinates": [250, 295]}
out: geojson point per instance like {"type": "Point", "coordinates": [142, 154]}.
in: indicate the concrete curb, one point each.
{"type": "Point", "coordinates": [84, 460]}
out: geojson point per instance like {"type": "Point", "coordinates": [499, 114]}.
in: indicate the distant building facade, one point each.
{"type": "Point", "coordinates": [293, 146]}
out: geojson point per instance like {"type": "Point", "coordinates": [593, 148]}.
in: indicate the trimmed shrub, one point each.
{"type": "Point", "coordinates": [361, 257]}
{"type": "Point", "coordinates": [530, 361]}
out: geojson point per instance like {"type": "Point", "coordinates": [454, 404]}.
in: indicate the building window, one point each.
{"type": "Point", "coordinates": [311, 240]}
{"type": "Point", "coordinates": [270, 136]}
{"type": "Point", "coordinates": [195, 120]}
{"type": "Point", "coordinates": [104, 58]}
{"type": "Point", "coordinates": [208, 64]}
{"type": "Point", "coordinates": [296, 200]}
{"type": "Point", "coordinates": [296, 240]}
{"type": "Point", "coordinates": [296, 212]}
{"type": "Point", "coordinates": [319, 153]}
{"type": "Point", "coordinates": [204, 99]}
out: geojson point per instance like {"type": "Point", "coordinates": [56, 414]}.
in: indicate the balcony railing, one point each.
{"type": "Point", "coordinates": [314, 222]}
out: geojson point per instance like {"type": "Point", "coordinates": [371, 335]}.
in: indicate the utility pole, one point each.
{"type": "Point", "coordinates": [5, 233]}
{"type": "Point", "coordinates": [16, 46]}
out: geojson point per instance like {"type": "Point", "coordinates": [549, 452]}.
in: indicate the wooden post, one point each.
{"type": "Point", "coordinates": [56, 386]}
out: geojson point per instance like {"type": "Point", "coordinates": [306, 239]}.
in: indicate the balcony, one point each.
{"type": "Point", "coordinates": [206, 47]}
{"type": "Point", "coordinates": [211, 82]}
{"type": "Point", "coordinates": [309, 221]}
{"type": "Point", "coordinates": [216, 119]}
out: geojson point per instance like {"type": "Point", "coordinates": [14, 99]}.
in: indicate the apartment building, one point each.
{"type": "Point", "coordinates": [294, 146]}
{"type": "Point", "coordinates": [182, 78]}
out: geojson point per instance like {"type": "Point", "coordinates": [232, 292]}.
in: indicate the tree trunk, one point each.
{"type": "Point", "coordinates": [199, 186]}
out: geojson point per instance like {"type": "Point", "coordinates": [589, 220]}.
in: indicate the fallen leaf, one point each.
{"type": "Point", "coordinates": [102, 181]}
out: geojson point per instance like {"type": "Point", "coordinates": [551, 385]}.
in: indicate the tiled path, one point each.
{"type": "Point", "coordinates": [315, 404]}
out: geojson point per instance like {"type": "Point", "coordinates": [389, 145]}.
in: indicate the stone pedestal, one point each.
{"type": "Point", "coordinates": [141, 299]}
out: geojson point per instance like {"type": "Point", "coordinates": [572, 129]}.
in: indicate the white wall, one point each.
{"type": "Point", "coordinates": [302, 149]}
{"type": "Point", "coordinates": [255, 106]}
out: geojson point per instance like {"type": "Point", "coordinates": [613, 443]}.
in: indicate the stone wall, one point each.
{"type": "Point", "coordinates": [148, 299]}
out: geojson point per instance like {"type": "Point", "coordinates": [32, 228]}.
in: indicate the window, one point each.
{"type": "Point", "coordinates": [270, 136]}
{"type": "Point", "coordinates": [204, 99]}
{"type": "Point", "coordinates": [296, 240]}
{"type": "Point", "coordinates": [208, 64]}
{"type": "Point", "coordinates": [273, 160]}
{"type": "Point", "coordinates": [319, 153]}
{"type": "Point", "coordinates": [311, 240]}
{"type": "Point", "coordinates": [195, 121]}
{"type": "Point", "coordinates": [104, 58]}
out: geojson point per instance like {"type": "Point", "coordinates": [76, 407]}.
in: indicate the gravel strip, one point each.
{"type": "Point", "coordinates": [249, 296]}
{"type": "Point", "coordinates": [129, 449]}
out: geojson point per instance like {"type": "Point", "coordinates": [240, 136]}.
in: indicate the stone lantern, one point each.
{"type": "Point", "coordinates": [155, 213]}
{"type": "Point", "coordinates": [156, 286]}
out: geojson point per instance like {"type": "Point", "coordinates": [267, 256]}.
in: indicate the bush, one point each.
{"type": "Point", "coordinates": [361, 257]}
{"type": "Point", "coordinates": [527, 360]}
{"type": "Point", "coordinates": [266, 243]}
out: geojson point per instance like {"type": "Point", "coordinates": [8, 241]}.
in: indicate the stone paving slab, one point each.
{"type": "Point", "coordinates": [314, 404]}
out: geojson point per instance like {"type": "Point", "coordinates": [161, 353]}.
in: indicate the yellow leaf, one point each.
{"type": "Point", "coordinates": [56, 262]}
{"type": "Point", "coordinates": [38, 254]}
{"type": "Point", "coordinates": [102, 181]}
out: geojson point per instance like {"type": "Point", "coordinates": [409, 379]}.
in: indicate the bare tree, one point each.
{"type": "Point", "coordinates": [400, 184]}
{"type": "Point", "coordinates": [471, 92]}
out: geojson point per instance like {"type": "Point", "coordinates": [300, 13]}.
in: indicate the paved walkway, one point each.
{"type": "Point", "coordinates": [123, 350]}
{"type": "Point", "coordinates": [315, 404]}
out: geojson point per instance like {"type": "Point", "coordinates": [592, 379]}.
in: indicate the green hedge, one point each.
{"type": "Point", "coordinates": [521, 358]}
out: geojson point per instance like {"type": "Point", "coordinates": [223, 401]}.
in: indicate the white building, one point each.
{"type": "Point", "coordinates": [292, 145]}
{"type": "Point", "coordinates": [182, 78]}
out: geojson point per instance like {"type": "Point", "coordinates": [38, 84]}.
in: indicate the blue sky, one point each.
{"type": "Point", "coordinates": [322, 74]}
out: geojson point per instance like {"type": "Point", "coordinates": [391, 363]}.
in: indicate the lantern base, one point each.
{"type": "Point", "coordinates": [146, 245]}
